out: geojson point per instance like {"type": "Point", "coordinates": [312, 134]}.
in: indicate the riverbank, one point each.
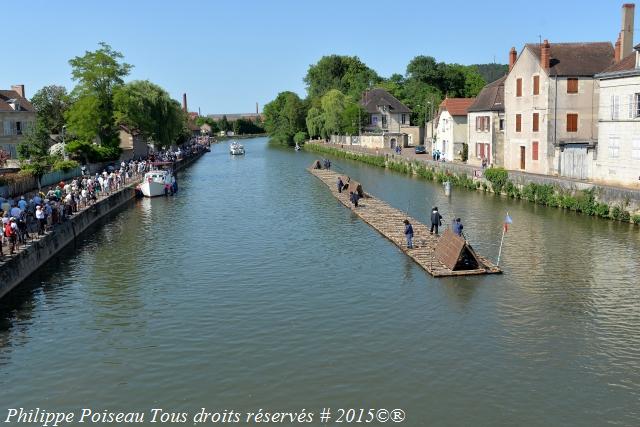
{"type": "Point", "coordinates": [16, 268]}
{"type": "Point", "coordinates": [606, 202]}
{"type": "Point", "coordinates": [247, 136]}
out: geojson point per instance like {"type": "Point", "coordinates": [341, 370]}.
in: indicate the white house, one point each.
{"type": "Point", "coordinates": [618, 155]}
{"type": "Point", "coordinates": [452, 127]}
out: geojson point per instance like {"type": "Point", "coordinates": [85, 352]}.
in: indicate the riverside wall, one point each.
{"type": "Point", "coordinates": [21, 265]}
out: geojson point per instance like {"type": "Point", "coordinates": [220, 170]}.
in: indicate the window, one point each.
{"type": "Point", "coordinates": [487, 123]}
{"type": "Point", "coordinates": [572, 123]}
{"type": "Point", "coordinates": [636, 105]}
{"type": "Point", "coordinates": [635, 149]}
{"type": "Point", "coordinates": [518, 122]}
{"type": "Point", "coordinates": [536, 122]}
{"type": "Point", "coordinates": [477, 123]}
{"type": "Point", "coordinates": [478, 150]}
{"type": "Point", "coordinates": [384, 121]}
{"type": "Point", "coordinates": [18, 128]}
{"type": "Point", "coordinates": [501, 124]}
{"type": "Point", "coordinates": [518, 87]}
{"type": "Point", "coordinates": [534, 150]}
{"type": "Point", "coordinates": [7, 128]}
{"type": "Point", "coordinates": [572, 85]}
{"type": "Point", "coordinates": [615, 107]}
{"type": "Point", "coordinates": [374, 120]}
{"type": "Point", "coordinates": [403, 118]}
{"type": "Point", "coordinates": [536, 85]}
{"type": "Point", "coordinates": [614, 147]}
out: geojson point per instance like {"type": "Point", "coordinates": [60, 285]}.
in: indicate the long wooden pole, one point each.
{"type": "Point", "coordinates": [504, 228]}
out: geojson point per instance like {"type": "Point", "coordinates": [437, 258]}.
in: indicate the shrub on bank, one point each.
{"type": "Point", "coordinates": [65, 165]}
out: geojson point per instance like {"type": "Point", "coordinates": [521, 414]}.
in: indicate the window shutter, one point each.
{"type": "Point", "coordinates": [630, 104]}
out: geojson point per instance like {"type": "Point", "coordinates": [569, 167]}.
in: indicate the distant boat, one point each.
{"type": "Point", "coordinates": [236, 148]}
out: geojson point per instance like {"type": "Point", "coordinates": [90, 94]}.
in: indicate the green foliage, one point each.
{"type": "Point", "coordinates": [51, 103]}
{"type": "Point", "coordinates": [315, 123]}
{"type": "Point", "coordinates": [284, 117]}
{"type": "Point", "coordinates": [99, 74]}
{"type": "Point", "coordinates": [465, 152]}
{"type": "Point", "coordinates": [90, 152]}
{"type": "Point", "coordinates": [65, 165]}
{"type": "Point", "coordinates": [300, 138]}
{"type": "Point", "coordinates": [635, 219]}
{"type": "Point", "coordinates": [498, 178]}
{"type": "Point", "coordinates": [35, 143]}
{"type": "Point", "coordinates": [347, 74]}
{"type": "Point", "coordinates": [224, 124]}
{"type": "Point", "coordinates": [35, 167]}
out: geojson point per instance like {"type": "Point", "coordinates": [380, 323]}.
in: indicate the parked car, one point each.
{"type": "Point", "coordinates": [421, 149]}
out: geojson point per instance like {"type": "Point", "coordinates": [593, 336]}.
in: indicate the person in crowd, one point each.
{"type": "Point", "coordinates": [436, 220]}
{"type": "Point", "coordinates": [340, 184]}
{"type": "Point", "coordinates": [408, 232]}
{"type": "Point", "coordinates": [353, 197]}
{"type": "Point", "coordinates": [41, 219]}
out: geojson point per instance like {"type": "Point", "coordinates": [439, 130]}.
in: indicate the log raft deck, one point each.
{"type": "Point", "coordinates": [388, 221]}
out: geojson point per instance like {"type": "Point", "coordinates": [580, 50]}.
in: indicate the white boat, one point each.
{"type": "Point", "coordinates": [236, 149]}
{"type": "Point", "coordinates": [155, 181]}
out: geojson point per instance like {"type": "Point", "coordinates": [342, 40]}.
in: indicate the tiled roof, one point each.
{"type": "Point", "coordinates": [490, 98]}
{"type": "Point", "coordinates": [577, 59]}
{"type": "Point", "coordinates": [374, 98]}
{"type": "Point", "coordinates": [456, 106]}
{"type": "Point", "coordinates": [6, 95]}
{"type": "Point", "coordinates": [627, 64]}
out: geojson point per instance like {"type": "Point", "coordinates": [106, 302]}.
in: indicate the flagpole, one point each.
{"type": "Point", "coordinates": [500, 250]}
{"type": "Point", "coordinates": [504, 230]}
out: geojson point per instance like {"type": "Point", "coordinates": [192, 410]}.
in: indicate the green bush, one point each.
{"type": "Point", "coordinates": [498, 178]}
{"type": "Point", "coordinates": [635, 219]}
{"type": "Point", "coordinates": [616, 213]}
{"type": "Point", "coordinates": [300, 137]}
{"type": "Point", "coordinates": [65, 165]}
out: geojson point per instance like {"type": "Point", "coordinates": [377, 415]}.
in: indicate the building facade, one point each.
{"type": "Point", "coordinates": [385, 112]}
{"type": "Point", "coordinates": [551, 107]}
{"type": "Point", "coordinates": [451, 135]}
{"type": "Point", "coordinates": [485, 124]}
{"type": "Point", "coordinates": [17, 116]}
{"type": "Point", "coordinates": [618, 155]}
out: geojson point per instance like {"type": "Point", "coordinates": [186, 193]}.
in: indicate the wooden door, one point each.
{"type": "Point", "coordinates": [522, 157]}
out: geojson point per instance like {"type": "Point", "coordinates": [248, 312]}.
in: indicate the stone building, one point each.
{"type": "Point", "coordinates": [17, 115]}
{"type": "Point", "coordinates": [386, 113]}
{"type": "Point", "coordinates": [451, 135]}
{"type": "Point", "coordinates": [551, 107]}
{"type": "Point", "coordinates": [485, 124]}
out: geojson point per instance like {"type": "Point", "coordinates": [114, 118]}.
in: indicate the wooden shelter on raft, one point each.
{"type": "Point", "coordinates": [456, 253]}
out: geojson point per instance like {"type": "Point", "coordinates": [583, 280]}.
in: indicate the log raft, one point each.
{"type": "Point", "coordinates": [441, 256]}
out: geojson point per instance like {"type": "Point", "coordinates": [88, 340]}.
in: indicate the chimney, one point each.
{"type": "Point", "coordinates": [545, 55]}
{"type": "Point", "coordinates": [617, 49]}
{"type": "Point", "coordinates": [184, 102]}
{"type": "Point", "coordinates": [257, 109]}
{"type": "Point", "coordinates": [513, 55]}
{"type": "Point", "coordinates": [19, 89]}
{"type": "Point", "coordinates": [626, 41]}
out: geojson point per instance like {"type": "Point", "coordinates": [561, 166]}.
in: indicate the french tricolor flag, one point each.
{"type": "Point", "coordinates": [507, 221]}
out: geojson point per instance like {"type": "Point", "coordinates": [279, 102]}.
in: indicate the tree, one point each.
{"type": "Point", "coordinates": [51, 103]}
{"type": "Point", "coordinates": [333, 104]}
{"type": "Point", "coordinates": [33, 151]}
{"type": "Point", "coordinates": [347, 74]}
{"type": "Point", "coordinates": [148, 109]}
{"type": "Point", "coordinates": [315, 123]}
{"type": "Point", "coordinates": [284, 117]}
{"type": "Point", "coordinates": [99, 74]}
{"type": "Point", "coordinates": [224, 124]}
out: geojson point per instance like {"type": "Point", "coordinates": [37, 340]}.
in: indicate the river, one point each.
{"type": "Point", "coordinates": [254, 288]}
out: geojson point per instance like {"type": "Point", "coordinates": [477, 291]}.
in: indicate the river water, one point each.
{"type": "Point", "coordinates": [254, 288]}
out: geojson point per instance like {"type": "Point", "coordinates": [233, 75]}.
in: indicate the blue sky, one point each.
{"type": "Point", "coordinates": [228, 55]}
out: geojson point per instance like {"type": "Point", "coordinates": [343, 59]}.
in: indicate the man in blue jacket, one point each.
{"type": "Point", "coordinates": [408, 231]}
